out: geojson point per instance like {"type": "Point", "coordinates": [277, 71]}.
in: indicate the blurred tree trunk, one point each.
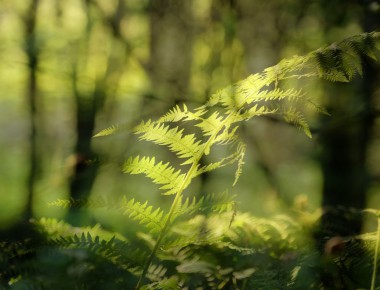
{"type": "Point", "coordinates": [89, 105]}
{"type": "Point", "coordinates": [264, 30]}
{"type": "Point", "coordinates": [32, 53]}
{"type": "Point", "coordinates": [346, 135]}
{"type": "Point", "coordinates": [171, 45]}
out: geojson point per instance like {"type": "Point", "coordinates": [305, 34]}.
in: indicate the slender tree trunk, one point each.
{"type": "Point", "coordinates": [345, 138]}
{"type": "Point", "coordinates": [171, 39]}
{"type": "Point", "coordinates": [31, 50]}
{"type": "Point", "coordinates": [87, 107]}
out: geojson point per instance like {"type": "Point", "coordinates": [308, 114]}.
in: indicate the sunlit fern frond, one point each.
{"type": "Point", "coordinates": [120, 253]}
{"type": "Point", "coordinates": [93, 202]}
{"type": "Point", "coordinates": [153, 219]}
{"type": "Point", "coordinates": [170, 283]}
{"type": "Point", "coordinates": [183, 145]}
{"type": "Point", "coordinates": [199, 230]}
{"type": "Point", "coordinates": [156, 273]}
{"type": "Point", "coordinates": [160, 173]}
{"type": "Point", "coordinates": [211, 124]}
{"type": "Point", "coordinates": [255, 111]}
{"type": "Point", "coordinates": [177, 114]}
{"type": "Point", "coordinates": [112, 130]}
{"type": "Point", "coordinates": [110, 245]}
{"type": "Point", "coordinates": [230, 159]}
{"type": "Point", "coordinates": [294, 117]}
{"type": "Point", "coordinates": [57, 228]}
{"type": "Point", "coordinates": [208, 204]}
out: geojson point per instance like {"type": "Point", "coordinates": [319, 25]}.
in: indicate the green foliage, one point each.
{"type": "Point", "coordinates": [204, 242]}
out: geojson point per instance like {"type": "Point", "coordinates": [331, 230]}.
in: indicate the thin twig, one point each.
{"type": "Point", "coordinates": [374, 272]}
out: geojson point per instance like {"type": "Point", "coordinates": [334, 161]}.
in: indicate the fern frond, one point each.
{"type": "Point", "coordinates": [109, 245]}
{"type": "Point", "coordinates": [69, 203]}
{"type": "Point", "coordinates": [110, 130]}
{"type": "Point", "coordinates": [289, 65]}
{"type": "Point", "coordinates": [333, 65]}
{"type": "Point", "coordinates": [58, 228]}
{"type": "Point", "coordinates": [153, 219]}
{"type": "Point", "coordinates": [160, 173]}
{"type": "Point", "coordinates": [211, 124]}
{"type": "Point", "coordinates": [255, 111]}
{"type": "Point", "coordinates": [316, 107]}
{"type": "Point", "coordinates": [120, 253]}
{"type": "Point", "coordinates": [340, 62]}
{"type": "Point", "coordinates": [170, 283]}
{"type": "Point", "coordinates": [177, 114]}
{"type": "Point", "coordinates": [185, 146]}
{"type": "Point", "coordinates": [292, 116]}
{"type": "Point", "coordinates": [209, 203]}
{"type": "Point", "coordinates": [364, 44]}
{"type": "Point", "coordinates": [156, 272]}
{"type": "Point", "coordinates": [98, 202]}
{"type": "Point", "coordinates": [241, 149]}
{"type": "Point", "coordinates": [232, 158]}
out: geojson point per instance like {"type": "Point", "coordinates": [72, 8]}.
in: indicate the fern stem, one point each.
{"type": "Point", "coordinates": [189, 175]}
{"type": "Point", "coordinates": [374, 272]}
{"type": "Point", "coordinates": [159, 239]}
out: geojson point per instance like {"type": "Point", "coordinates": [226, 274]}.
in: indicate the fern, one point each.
{"type": "Point", "coordinates": [212, 222]}
{"type": "Point", "coordinates": [160, 173]}
{"type": "Point", "coordinates": [144, 214]}
{"type": "Point", "coordinates": [219, 119]}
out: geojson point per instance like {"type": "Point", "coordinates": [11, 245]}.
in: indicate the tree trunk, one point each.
{"type": "Point", "coordinates": [31, 49]}
{"type": "Point", "coordinates": [171, 39]}
{"type": "Point", "coordinates": [345, 138]}
{"type": "Point", "coordinates": [88, 105]}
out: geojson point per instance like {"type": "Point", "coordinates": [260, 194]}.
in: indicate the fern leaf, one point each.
{"type": "Point", "coordinates": [317, 107]}
{"type": "Point", "coordinates": [185, 146]}
{"type": "Point", "coordinates": [177, 114]}
{"type": "Point", "coordinates": [241, 149]}
{"type": "Point", "coordinates": [236, 156]}
{"type": "Point", "coordinates": [255, 111]}
{"type": "Point", "coordinates": [144, 214]}
{"type": "Point", "coordinates": [94, 202]}
{"type": "Point", "coordinates": [219, 164]}
{"type": "Point", "coordinates": [69, 203]}
{"type": "Point", "coordinates": [364, 44]}
{"type": "Point", "coordinates": [109, 131]}
{"type": "Point", "coordinates": [160, 173]}
{"type": "Point", "coordinates": [209, 203]}
{"type": "Point", "coordinates": [333, 65]}
{"type": "Point", "coordinates": [211, 124]}
{"type": "Point", "coordinates": [156, 272]}
{"type": "Point", "coordinates": [296, 118]}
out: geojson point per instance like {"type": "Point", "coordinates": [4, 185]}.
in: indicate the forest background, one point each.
{"type": "Point", "coordinates": [71, 68]}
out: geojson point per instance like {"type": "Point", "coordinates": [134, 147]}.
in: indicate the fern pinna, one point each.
{"type": "Point", "coordinates": [193, 134]}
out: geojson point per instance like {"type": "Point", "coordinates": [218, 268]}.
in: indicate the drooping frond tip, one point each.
{"type": "Point", "coordinates": [341, 61]}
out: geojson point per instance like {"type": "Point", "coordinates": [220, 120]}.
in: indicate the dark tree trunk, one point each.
{"type": "Point", "coordinates": [171, 39]}
{"type": "Point", "coordinates": [345, 138]}
{"type": "Point", "coordinates": [88, 105]}
{"type": "Point", "coordinates": [31, 50]}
